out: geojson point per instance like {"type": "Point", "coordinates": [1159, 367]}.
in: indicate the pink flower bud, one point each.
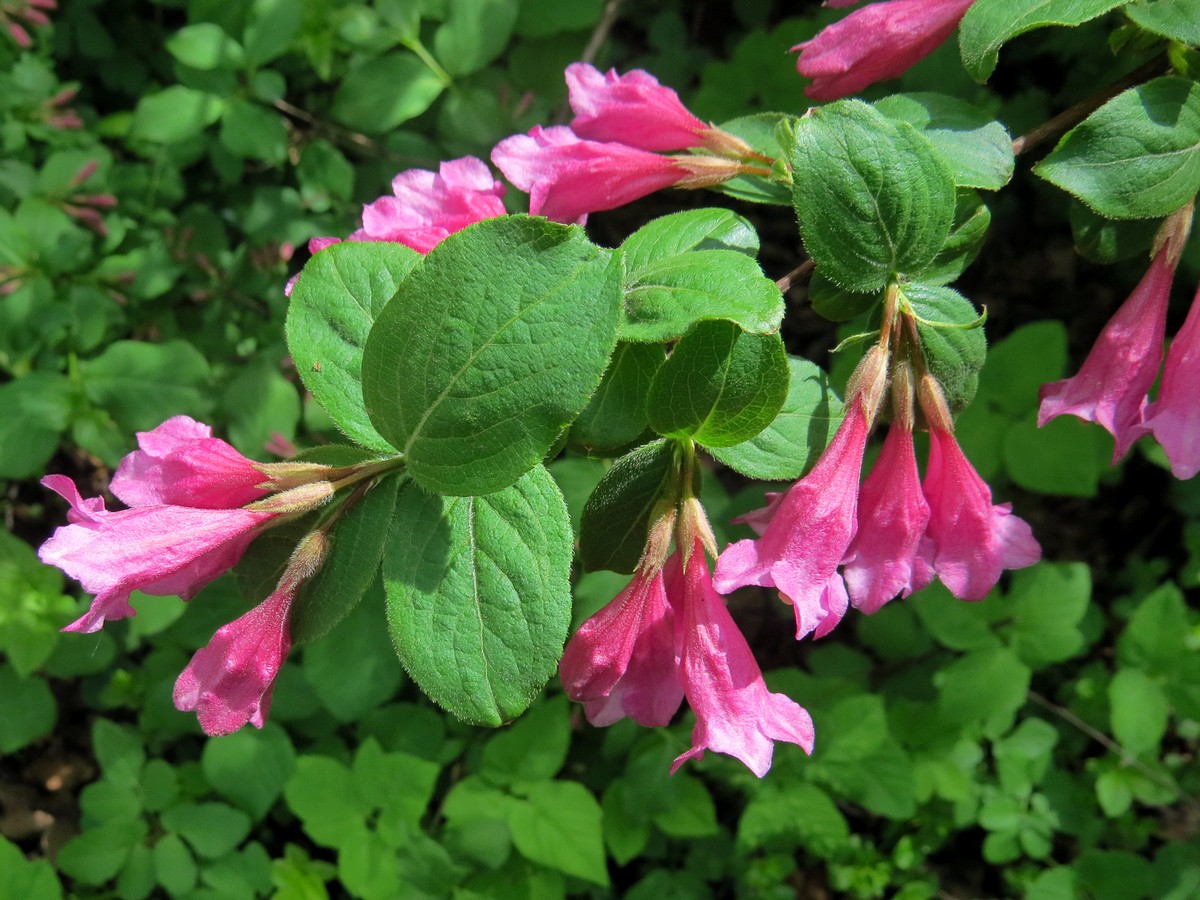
{"type": "Point", "coordinates": [874, 43]}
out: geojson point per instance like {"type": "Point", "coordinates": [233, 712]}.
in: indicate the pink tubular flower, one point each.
{"type": "Point", "coordinates": [807, 538]}
{"type": "Point", "coordinates": [180, 463]}
{"type": "Point", "coordinates": [621, 661]}
{"type": "Point", "coordinates": [567, 177]}
{"type": "Point", "coordinates": [1174, 417]}
{"type": "Point", "coordinates": [973, 540]}
{"type": "Point", "coordinates": [1110, 388]}
{"type": "Point", "coordinates": [429, 206]}
{"type": "Point", "coordinates": [735, 713]}
{"type": "Point", "coordinates": [229, 682]}
{"type": "Point", "coordinates": [874, 43]}
{"type": "Point", "coordinates": [157, 549]}
{"type": "Point", "coordinates": [631, 109]}
{"type": "Point", "coordinates": [890, 554]}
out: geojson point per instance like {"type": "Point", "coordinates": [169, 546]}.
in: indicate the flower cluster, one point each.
{"type": "Point", "coordinates": [875, 43]}
{"type": "Point", "coordinates": [195, 505]}
{"type": "Point", "coordinates": [1112, 387]}
{"type": "Point", "coordinates": [890, 535]}
{"type": "Point", "coordinates": [30, 12]}
{"type": "Point", "coordinates": [668, 636]}
{"type": "Point", "coordinates": [612, 152]}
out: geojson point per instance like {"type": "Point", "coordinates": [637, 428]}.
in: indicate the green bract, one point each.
{"type": "Point", "coordinates": [490, 347]}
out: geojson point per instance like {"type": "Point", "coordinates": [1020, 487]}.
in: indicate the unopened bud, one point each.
{"type": "Point", "coordinates": [298, 500]}
{"type": "Point", "coordinates": [869, 381]}
{"type": "Point", "coordinates": [306, 559]}
{"type": "Point", "coordinates": [933, 404]}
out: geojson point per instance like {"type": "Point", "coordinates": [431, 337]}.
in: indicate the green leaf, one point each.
{"type": "Point", "coordinates": [34, 608]}
{"type": "Point", "coordinates": [400, 785]}
{"type": "Point", "coordinates": [1065, 457]}
{"type": "Point", "coordinates": [985, 686]}
{"type": "Point", "coordinates": [533, 748]}
{"type": "Point", "coordinates": [143, 384]}
{"type": "Point", "coordinates": [1178, 20]}
{"type": "Point", "coordinates": [363, 104]}
{"type": "Point", "coordinates": [260, 402]}
{"type": "Point", "coordinates": [1137, 156]}
{"type": "Point", "coordinates": [1106, 241]}
{"type": "Point", "coordinates": [37, 409]}
{"type": "Point", "coordinates": [478, 592]}
{"type": "Point", "coordinates": [615, 416]}
{"type": "Point", "coordinates": [271, 26]}
{"type": "Point", "coordinates": [616, 518]}
{"type": "Point", "coordinates": [720, 386]}
{"type": "Point", "coordinates": [682, 232]}
{"type": "Point", "coordinates": [174, 866]}
{"type": "Point", "coordinates": [954, 354]}
{"type": "Point", "coordinates": [690, 812]}
{"type": "Point", "coordinates": [1139, 711]}
{"type": "Point", "coordinates": [971, 221]}
{"type": "Point", "coordinates": [1155, 639]}
{"type": "Point", "coordinates": [490, 347]}
{"type": "Point", "coordinates": [665, 296]}
{"type": "Point", "coordinates": [250, 768]}
{"type": "Point", "coordinates": [334, 303]}
{"type": "Point", "coordinates": [352, 565]}
{"type": "Point", "coordinates": [174, 114]}
{"type": "Point", "coordinates": [976, 148]}
{"type": "Point", "coordinates": [349, 693]}
{"type": "Point", "coordinates": [251, 131]}
{"type": "Point", "coordinates": [990, 24]}
{"type": "Point", "coordinates": [783, 819]}
{"type": "Point", "coordinates": [119, 752]}
{"type": "Point", "coordinates": [1047, 603]}
{"type": "Point", "coordinates": [835, 303]}
{"type": "Point", "coordinates": [211, 829]}
{"type": "Point", "coordinates": [558, 825]}
{"type": "Point", "coordinates": [884, 202]}
{"type": "Point", "coordinates": [322, 794]}
{"type": "Point", "coordinates": [98, 854]}
{"type": "Point", "coordinates": [791, 443]}
{"type": "Point", "coordinates": [473, 34]}
{"type": "Point", "coordinates": [205, 46]}
{"type": "Point", "coordinates": [24, 878]}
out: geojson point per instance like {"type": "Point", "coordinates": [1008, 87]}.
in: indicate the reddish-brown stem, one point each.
{"type": "Point", "coordinates": [801, 273]}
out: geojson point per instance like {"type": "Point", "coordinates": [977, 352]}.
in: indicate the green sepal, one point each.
{"type": "Point", "coordinates": [761, 132]}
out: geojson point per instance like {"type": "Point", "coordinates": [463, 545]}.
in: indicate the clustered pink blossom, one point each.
{"type": "Point", "coordinates": [1112, 386]}
{"type": "Point", "coordinates": [667, 636]}
{"type": "Point", "coordinates": [890, 535]}
{"type": "Point", "coordinates": [31, 12]}
{"type": "Point", "coordinates": [195, 505]}
{"type": "Point", "coordinates": [875, 43]}
{"type": "Point", "coordinates": [611, 154]}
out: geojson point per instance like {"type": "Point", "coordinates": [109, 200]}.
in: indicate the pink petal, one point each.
{"type": "Point", "coordinates": [229, 682]}
{"type": "Point", "coordinates": [1174, 417]}
{"type": "Point", "coordinates": [735, 713]}
{"type": "Point", "coordinates": [974, 540]}
{"type": "Point", "coordinates": [889, 554]}
{"type": "Point", "coordinates": [567, 177]}
{"type": "Point", "coordinates": [874, 43]}
{"type": "Point", "coordinates": [631, 109]}
{"type": "Point", "coordinates": [180, 463]}
{"type": "Point", "coordinates": [808, 536]}
{"type": "Point", "coordinates": [1110, 388]}
{"type": "Point", "coordinates": [621, 661]}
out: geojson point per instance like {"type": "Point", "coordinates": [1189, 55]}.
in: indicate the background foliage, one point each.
{"type": "Point", "coordinates": [1049, 732]}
